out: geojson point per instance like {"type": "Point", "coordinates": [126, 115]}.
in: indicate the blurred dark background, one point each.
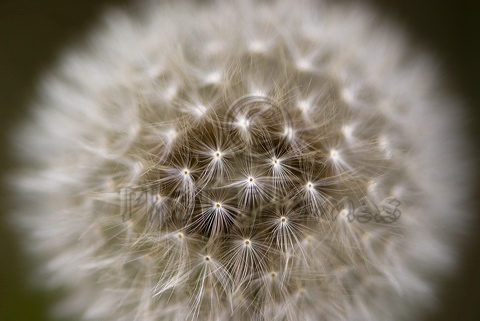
{"type": "Point", "coordinates": [33, 33]}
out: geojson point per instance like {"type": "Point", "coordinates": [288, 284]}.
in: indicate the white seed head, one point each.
{"type": "Point", "coordinates": [243, 160]}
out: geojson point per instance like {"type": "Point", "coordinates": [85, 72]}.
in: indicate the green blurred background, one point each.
{"type": "Point", "coordinates": [33, 33]}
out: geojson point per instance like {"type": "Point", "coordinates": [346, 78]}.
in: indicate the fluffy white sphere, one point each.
{"type": "Point", "coordinates": [243, 160]}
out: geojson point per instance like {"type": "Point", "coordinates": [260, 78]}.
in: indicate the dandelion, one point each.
{"type": "Point", "coordinates": [242, 160]}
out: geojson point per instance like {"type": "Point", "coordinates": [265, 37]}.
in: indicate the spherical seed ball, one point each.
{"type": "Point", "coordinates": [249, 160]}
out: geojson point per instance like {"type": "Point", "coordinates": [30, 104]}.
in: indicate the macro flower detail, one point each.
{"type": "Point", "coordinates": [243, 160]}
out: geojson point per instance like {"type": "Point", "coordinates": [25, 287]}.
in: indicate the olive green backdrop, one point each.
{"type": "Point", "coordinates": [33, 32]}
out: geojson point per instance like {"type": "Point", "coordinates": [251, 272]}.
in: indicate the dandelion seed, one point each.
{"type": "Point", "coordinates": [334, 155]}
{"type": "Point", "coordinates": [214, 48]}
{"type": "Point", "coordinates": [171, 93]}
{"type": "Point", "coordinates": [385, 146]}
{"type": "Point", "coordinates": [288, 132]}
{"type": "Point", "coordinates": [171, 134]}
{"type": "Point", "coordinates": [158, 198]}
{"type": "Point", "coordinates": [257, 46]}
{"type": "Point", "coordinates": [372, 185]}
{"type": "Point", "coordinates": [303, 105]}
{"type": "Point", "coordinates": [243, 123]}
{"type": "Point", "coordinates": [304, 64]}
{"type": "Point", "coordinates": [348, 96]}
{"type": "Point", "coordinates": [137, 168]}
{"type": "Point", "coordinates": [200, 110]}
{"type": "Point", "coordinates": [347, 131]}
{"type": "Point", "coordinates": [213, 78]}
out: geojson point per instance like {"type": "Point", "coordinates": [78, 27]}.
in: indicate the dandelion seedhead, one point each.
{"type": "Point", "coordinates": [242, 161]}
